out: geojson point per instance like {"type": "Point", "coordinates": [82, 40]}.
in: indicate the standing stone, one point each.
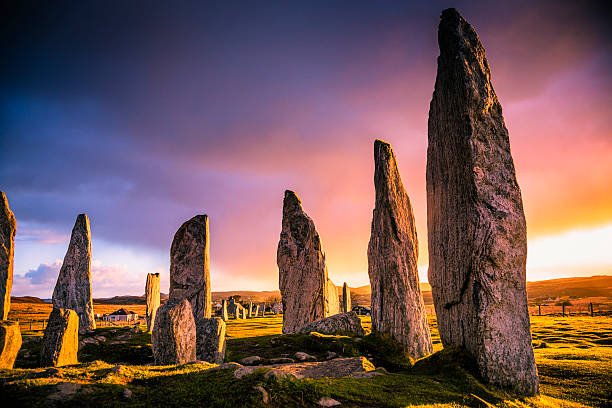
{"type": "Point", "coordinates": [174, 333]}
{"type": "Point", "coordinates": [212, 332]}
{"type": "Point", "coordinates": [190, 270]}
{"type": "Point", "coordinates": [152, 293]}
{"type": "Point", "coordinates": [8, 227]}
{"type": "Point", "coordinates": [256, 312]}
{"type": "Point", "coordinates": [304, 285]}
{"type": "Point", "coordinates": [224, 310]}
{"type": "Point", "coordinates": [250, 309]}
{"type": "Point", "coordinates": [60, 342]}
{"type": "Point", "coordinates": [476, 224]}
{"type": "Point", "coordinates": [73, 287]}
{"type": "Point", "coordinates": [346, 298]}
{"type": "Point", "coordinates": [244, 313]}
{"type": "Point", "coordinates": [10, 343]}
{"type": "Point", "coordinates": [397, 303]}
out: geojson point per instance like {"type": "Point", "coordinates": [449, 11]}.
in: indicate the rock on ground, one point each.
{"type": "Point", "coordinates": [224, 315]}
{"type": "Point", "coordinates": [60, 342]}
{"type": "Point", "coordinates": [346, 323]}
{"type": "Point", "coordinates": [476, 224]}
{"type": "Point", "coordinates": [346, 299]}
{"type": "Point", "coordinates": [211, 339]}
{"type": "Point", "coordinates": [393, 251]}
{"type": "Point", "coordinates": [152, 294]}
{"type": "Point", "coordinates": [328, 402]}
{"type": "Point", "coordinates": [174, 334]}
{"type": "Point", "coordinates": [304, 285]}
{"type": "Point", "coordinates": [10, 343]}
{"type": "Point", "coordinates": [336, 368]}
{"type": "Point", "coordinates": [190, 268]}
{"type": "Point", "coordinates": [73, 287]}
{"type": "Point", "coordinates": [8, 227]}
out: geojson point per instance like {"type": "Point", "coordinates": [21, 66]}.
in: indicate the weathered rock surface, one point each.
{"type": "Point", "coordinates": [211, 339]}
{"type": "Point", "coordinates": [476, 224]}
{"type": "Point", "coordinates": [251, 360]}
{"type": "Point", "coordinates": [393, 251]}
{"type": "Point", "coordinates": [346, 299]}
{"type": "Point", "coordinates": [174, 334]}
{"type": "Point", "coordinates": [8, 227]}
{"type": "Point", "coordinates": [190, 269]}
{"type": "Point", "coordinates": [348, 323]}
{"type": "Point", "coordinates": [10, 343]}
{"type": "Point", "coordinates": [152, 294]}
{"type": "Point", "coordinates": [304, 285]}
{"type": "Point", "coordinates": [73, 287]}
{"type": "Point", "coordinates": [60, 342]}
{"type": "Point", "coordinates": [336, 368]}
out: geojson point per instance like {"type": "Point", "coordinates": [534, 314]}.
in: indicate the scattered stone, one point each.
{"type": "Point", "coordinates": [264, 394]}
{"type": "Point", "coordinates": [126, 394]}
{"type": "Point", "coordinates": [278, 374]}
{"type": "Point", "coordinates": [281, 360]}
{"type": "Point", "coordinates": [61, 339]}
{"type": "Point", "coordinates": [304, 285]}
{"type": "Point", "coordinates": [476, 224]}
{"type": "Point", "coordinates": [330, 355]}
{"type": "Point", "coordinates": [252, 360]}
{"type": "Point", "coordinates": [397, 303]}
{"type": "Point", "coordinates": [226, 365]}
{"type": "Point", "coordinates": [10, 342]}
{"type": "Point", "coordinates": [346, 299]}
{"type": "Point", "coordinates": [101, 339]}
{"type": "Point", "coordinates": [242, 371]}
{"type": "Point", "coordinates": [65, 391]}
{"type": "Point", "coordinates": [152, 295]}
{"type": "Point", "coordinates": [210, 335]}
{"type": "Point", "coordinates": [89, 340]}
{"type": "Point", "coordinates": [301, 356]}
{"type": "Point", "coordinates": [8, 228]}
{"type": "Point", "coordinates": [73, 287]}
{"type": "Point", "coordinates": [328, 402]}
{"type": "Point", "coordinates": [190, 272]}
{"type": "Point", "coordinates": [348, 323]}
{"type": "Point", "coordinates": [174, 334]}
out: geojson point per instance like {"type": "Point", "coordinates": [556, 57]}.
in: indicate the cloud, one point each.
{"type": "Point", "coordinates": [44, 275]}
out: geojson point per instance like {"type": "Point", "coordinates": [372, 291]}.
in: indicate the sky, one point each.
{"type": "Point", "coordinates": [143, 114]}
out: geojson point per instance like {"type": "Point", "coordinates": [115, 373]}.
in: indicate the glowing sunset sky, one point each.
{"type": "Point", "coordinates": [143, 116]}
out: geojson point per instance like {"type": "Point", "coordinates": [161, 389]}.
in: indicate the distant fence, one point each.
{"type": "Point", "coordinates": [40, 325]}
{"type": "Point", "coordinates": [581, 309]}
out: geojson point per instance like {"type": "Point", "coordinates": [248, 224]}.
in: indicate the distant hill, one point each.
{"type": "Point", "coordinates": [26, 299]}
{"type": "Point", "coordinates": [580, 287]}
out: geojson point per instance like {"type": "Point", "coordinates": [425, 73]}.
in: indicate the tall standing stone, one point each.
{"type": "Point", "coordinates": [10, 343]}
{"type": "Point", "coordinates": [224, 316]}
{"type": "Point", "coordinates": [476, 224]}
{"type": "Point", "coordinates": [73, 287]}
{"type": "Point", "coordinates": [304, 285]}
{"type": "Point", "coordinates": [8, 227]}
{"type": "Point", "coordinates": [152, 294]}
{"type": "Point", "coordinates": [397, 303]}
{"type": "Point", "coordinates": [60, 342]}
{"type": "Point", "coordinates": [190, 269]}
{"type": "Point", "coordinates": [250, 309]}
{"type": "Point", "coordinates": [174, 333]}
{"type": "Point", "coordinates": [346, 298]}
{"type": "Point", "coordinates": [213, 340]}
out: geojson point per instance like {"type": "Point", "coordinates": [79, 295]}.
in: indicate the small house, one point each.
{"type": "Point", "coordinates": [122, 315]}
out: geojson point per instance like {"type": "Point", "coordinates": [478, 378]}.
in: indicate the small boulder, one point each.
{"type": "Point", "coordinates": [174, 334]}
{"type": "Point", "coordinates": [265, 398]}
{"type": "Point", "coordinates": [348, 323]}
{"type": "Point", "coordinates": [281, 360]}
{"type": "Point", "coordinates": [301, 356]}
{"type": "Point", "coordinates": [10, 343]}
{"type": "Point", "coordinates": [242, 371]}
{"type": "Point", "coordinates": [252, 360]}
{"type": "Point", "coordinates": [61, 339]}
{"type": "Point", "coordinates": [328, 402]}
{"type": "Point", "coordinates": [126, 394]}
{"type": "Point", "coordinates": [278, 374]}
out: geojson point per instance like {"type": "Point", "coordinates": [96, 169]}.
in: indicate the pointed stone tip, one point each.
{"type": "Point", "coordinates": [291, 198]}
{"type": "Point", "coordinates": [82, 219]}
{"type": "Point", "coordinates": [382, 151]}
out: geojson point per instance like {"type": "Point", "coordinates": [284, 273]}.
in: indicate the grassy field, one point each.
{"type": "Point", "coordinates": [573, 354]}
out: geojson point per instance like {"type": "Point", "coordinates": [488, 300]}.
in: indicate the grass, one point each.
{"type": "Point", "coordinates": [573, 355]}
